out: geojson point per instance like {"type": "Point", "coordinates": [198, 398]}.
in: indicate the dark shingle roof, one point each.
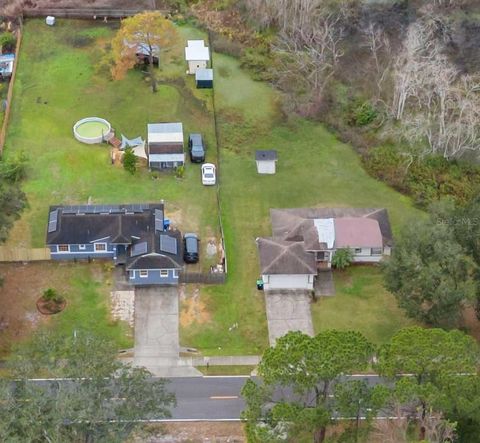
{"type": "Point", "coordinates": [268, 155]}
{"type": "Point", "coordinates": [155, 257]}
{"type": "Point", "coordinates": [283, 257]}
{"type": "Point", "coordinates": [165, 148]}
{"type": "Point", "coordinates": [135, 229]}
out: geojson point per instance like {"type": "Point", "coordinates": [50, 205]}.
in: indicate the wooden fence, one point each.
{"type": "Point", "coordinates": [87, 13]}
{"type": "Point", "coordinates": [206, 278]}
{"type": "Point", "coordinates": [23, 254]}
{"type": "Point", "coordinates": [6, 117]}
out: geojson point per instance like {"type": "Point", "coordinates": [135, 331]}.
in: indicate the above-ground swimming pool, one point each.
{"type": "Point", "coordinates": [91, 130]}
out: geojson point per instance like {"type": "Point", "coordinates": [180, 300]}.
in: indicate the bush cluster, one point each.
{"type": "Point", "coordinates": [426, 181]}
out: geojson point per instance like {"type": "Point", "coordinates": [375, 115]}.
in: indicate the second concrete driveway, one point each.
{"type": "Point", "coordinates": [156, 325]}
{"type": "Point", "coordinates": [288, 311]}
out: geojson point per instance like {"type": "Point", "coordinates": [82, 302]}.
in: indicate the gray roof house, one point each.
{"type": "Point", "coordinates": [134, 236]}
{"type": "Point", "coordinates": [305, 240]}
{"type": "Point", "coordinates": [165, 147]}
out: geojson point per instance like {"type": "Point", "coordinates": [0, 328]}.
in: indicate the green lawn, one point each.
{"type": "Point", "coordinates": [361, 303]}
{"type": "Point", "coordinates": [86, 290]}
{"type": "Point", "coordinates": [314, 169]}
{"type": "Point", "coordinates": [59, 83]}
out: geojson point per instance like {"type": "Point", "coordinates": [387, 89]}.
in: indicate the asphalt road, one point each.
{"type": "Point", "coordinates": [207, 398]}
{"type": "Point", "coordinates": [210, 398]}
{"type": "Point", "coordinates": [218, 398]}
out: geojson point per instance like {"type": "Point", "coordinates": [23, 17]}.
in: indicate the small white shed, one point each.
{"type": "Point", "coordinates": [197, 55]}
{"type": "Point", "coordinates": [266, 161]}
{"type": "Point", "coordinates": [50, 20]}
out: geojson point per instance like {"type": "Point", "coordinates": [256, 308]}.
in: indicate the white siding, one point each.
{"type": "Point", "coordinates": [166, 158]}
{"type": "Point", "coordinates": [367, 259]}
{"type": "Point", "coordinates": [193, 65]}
{"type": "Point", "coordinates": [266, 167]}
{"type": "Point", "coordinates": [287, 281]}
{"type": "Point", "coordinates": [364, 252]}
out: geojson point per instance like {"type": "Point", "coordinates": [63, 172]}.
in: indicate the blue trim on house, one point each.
{"type": "Point", "coordinates": [83, 252]}
{"type": "Point", "coordinates": [153, 277]}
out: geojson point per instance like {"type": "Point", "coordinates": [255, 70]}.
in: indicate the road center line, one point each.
{"type": "Point", "coordinates": [223, 397]}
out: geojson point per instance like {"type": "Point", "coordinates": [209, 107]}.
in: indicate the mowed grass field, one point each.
{"type": "Point", "coordinates": [314, 169]}
{"type": "Point", "coordinates": [58, 83]}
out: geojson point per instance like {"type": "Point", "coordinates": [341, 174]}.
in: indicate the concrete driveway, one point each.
{"type": "Point", "coordinates": [288, 310]}
{"type": "Point", "coordinates": [156, 324]}
{"type": "Point", "coordinates": [156, 332]}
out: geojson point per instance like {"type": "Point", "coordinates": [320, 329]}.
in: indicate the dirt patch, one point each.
{"type": "Point", "coordinates": [23, 284]}
{"type": "Point", "coordinates": [193, 308]}
{"type": "Point", "coordinates": [50, 307]}
{"type": "Point", "coordinates": [198, 432]}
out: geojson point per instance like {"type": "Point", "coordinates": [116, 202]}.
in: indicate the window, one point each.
{"type": "Point", "coordinates": [377, 251]}
{"type": "Point", "coordinates": [132, 274]}
{"type": "Point", "coordinates": [358, 250]}
{"type": "Point", "coordinates": [143, 273]}
{"type": "Point", "coordinates": [100, 247]}
{"type": "Point", "coordinates": [63, 248]}
{"type": "Point", "coordinates": [163, 272]}
{"type": "Point", "coordinates": [175, 273]}
{"type": "Point", "coordinates": [81, 247]}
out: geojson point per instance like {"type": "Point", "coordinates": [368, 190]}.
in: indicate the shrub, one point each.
{"type": "Point", "coordinates": [7, 41]}
{"type": "Point", "coordinates": [426, 180]}
{"type": "Point", "coordinates": [14, 169]}
{"type": "Point", "coordinates": [51, 295]}
{"type": "Point", "coordinates": [363, 114]}
{"type": "Point", "coordinates": [343, 258]}
{"type": "Point", "coordinates": [224, 45]}
{"type": "Point", "coordinates": [258, 62]}
{"type": "Point", "coordinates": [180, 171]}
{"type": "Point", "coordinates": [130, 161]}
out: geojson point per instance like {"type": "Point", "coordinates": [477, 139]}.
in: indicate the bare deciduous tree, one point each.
{"type": "Point", "coordinates": [376, 40]}
{"type": "Point", "coordinates": [439, 107]}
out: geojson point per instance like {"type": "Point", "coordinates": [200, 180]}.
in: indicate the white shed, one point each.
{"type": "Point", "coordinates": [50, 20]}
{"type": "Point", "coordinates": [197, 55]}
{"type": "Point", "coordinates": [266, 161]}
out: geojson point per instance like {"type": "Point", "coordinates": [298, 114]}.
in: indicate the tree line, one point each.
{"type": "Point", "coordinates": [429, 391]}
{"type": "Point", "coordinates": [434, 270]}
{"type": "Point", "coordinates": [102, 401]}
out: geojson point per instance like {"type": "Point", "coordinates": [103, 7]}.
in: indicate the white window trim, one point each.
{"type": "Point", "coordinates": [357, 251]}
{"type": "Point", "coordinates": [175, 273]}
{"type": "Point", "coordinates": [375, 253]}
{"type": "Point", "coordinates": [132, 274]}
{"type": "Point", "coordinates": [143, 271]}
{"type": "Point", "coordinates": [102, 250]}
{"type": "Point", "coordinates": [81, 247]}
{"type": "Point", "coordinates": [63, 252]}
{"type": "Point", "coordinates": [163, 273]}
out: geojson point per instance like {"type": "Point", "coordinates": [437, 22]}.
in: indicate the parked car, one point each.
{"type": "Point", "coordinates": [208, 174]}
{"type": "Point", "coordinates": [196, 148]}
{"type": "Point", "coordinates": [190, 248]}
